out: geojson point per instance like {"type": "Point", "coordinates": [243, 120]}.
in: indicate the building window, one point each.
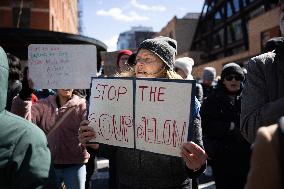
{"type": "Point", "coordinates": [218, 17]}
{"type": "Point", "coordinates": [238, 33]}
{"type": "Point", "coordinates": [236, 5]}
{"type": "Point", "coordinates": [238, 50]}
{"type": "Point", "coordinates": [21, 20]}
{"type": "Point", "coordinates": [204, 12]}
{"type": "Point", "coordinates": [209, 8]}
{"type": "Point", "coordinates": [230, 35]}
{"type": "Point", "coordinates": [260, 10]}
{"type": "Point", "coordinates": [229, 9]}
{"type": "Point", "coordinates": [235, 32]}
{"type": "Point", "coordinates": [218, 39]}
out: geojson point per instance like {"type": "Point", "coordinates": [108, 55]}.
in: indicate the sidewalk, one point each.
{"type": "Point", "coordinates": [100, 178]}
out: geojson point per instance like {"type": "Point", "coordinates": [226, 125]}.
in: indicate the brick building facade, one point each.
{"type": "Point", "coordinates": [52, 15]}
{"type": "Point", "coordinates": [182, 30]}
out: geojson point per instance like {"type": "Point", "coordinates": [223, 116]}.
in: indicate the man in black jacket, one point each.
{"type": "Point", "coordinates": [263, 94]}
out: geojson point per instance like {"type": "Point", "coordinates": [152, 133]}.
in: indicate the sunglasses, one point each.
{"type": "Point", "coordinates": [236, 77]}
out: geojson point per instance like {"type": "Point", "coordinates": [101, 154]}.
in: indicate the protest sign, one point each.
{"type": "Point", "coordinates": [62, 66]}
{"type": "Point", "coordinates": [162, 115]}
{"type": "Point", "coordinates": [111, 111]}
{"type": "Point", "coordinates": [160, 109]}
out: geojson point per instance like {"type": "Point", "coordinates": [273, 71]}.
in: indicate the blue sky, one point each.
{"type": "Point", "coordinates": [105, 19]}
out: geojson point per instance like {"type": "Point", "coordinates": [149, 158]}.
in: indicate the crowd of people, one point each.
{"type": "Point", "coordinates": [236, 126]}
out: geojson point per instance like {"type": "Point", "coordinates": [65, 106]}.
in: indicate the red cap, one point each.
{"type": "Point", "coordinates": [123, 52]}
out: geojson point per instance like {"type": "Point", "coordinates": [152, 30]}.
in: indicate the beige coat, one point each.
{"type": "Point", "coordinates": [265, 172]}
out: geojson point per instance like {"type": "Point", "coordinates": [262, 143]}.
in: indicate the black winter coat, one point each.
{"type": "Point", "coordinates": [228, 151]}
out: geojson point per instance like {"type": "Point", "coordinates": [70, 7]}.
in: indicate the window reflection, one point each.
{"type": "Point", "coordinates": [236, 5]}
{"type": "Point", "coordinates": [237, 26]}
{"type": "Point", "coordinates": [218, 17]}
{"type": "Point", "coordinates": [234, 32]}
{"type": "Point", "coordinates": [229, 9]}
{"type": "Point", "coordinates": [218, 39]}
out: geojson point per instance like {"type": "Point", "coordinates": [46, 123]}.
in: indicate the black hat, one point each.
{"type": "Point", "coordinates": [231, 68]}
{"type": "Point", "coordinates": [164, 47]}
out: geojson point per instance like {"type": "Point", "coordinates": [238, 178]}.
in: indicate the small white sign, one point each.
{"type": "Point", "coordinates": [62, 66]}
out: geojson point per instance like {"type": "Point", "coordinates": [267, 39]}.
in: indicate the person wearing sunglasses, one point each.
{"type": "Point", "coordinates": [228, 151]}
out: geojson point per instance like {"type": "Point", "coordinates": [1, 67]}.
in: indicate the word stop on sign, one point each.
{"type": "Point", "coordinates": [109, 92]}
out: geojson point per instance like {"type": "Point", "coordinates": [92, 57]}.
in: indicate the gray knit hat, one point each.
{"type": "Point", "coordinates": [209, 73]}
{"type": "Point", "coordinates": [164, 47]}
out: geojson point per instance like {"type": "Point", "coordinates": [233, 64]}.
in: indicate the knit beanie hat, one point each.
{"type": "Point", "coordinates": [209, 73]}
{"type": "Point", "coordinates": [123, 52]}
{"type": "Point", "coordinates": [185, 64]}
{"type": "Point", "coordinates": [164, 47]}
{"type": "Point", "coordinates": [231, 68]}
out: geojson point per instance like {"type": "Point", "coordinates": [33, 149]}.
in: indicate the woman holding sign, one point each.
{"type": "Point", "coordinates": [59, 116]}
{"type": "Point", "coordinates": [142, 169]}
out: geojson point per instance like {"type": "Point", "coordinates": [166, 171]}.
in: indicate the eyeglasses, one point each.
{"type": "Point", "coordinates": [148, 60]}
{"type": "Point", "coordinates": [236, 77]}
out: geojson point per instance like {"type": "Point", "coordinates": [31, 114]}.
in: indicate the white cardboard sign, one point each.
{"type": "Point", "coordinates": [62, 66]}
{"type": "Point", "coordinates": [159, 109]}
{"type": "Point", "coordinates": [162, 116]}
{"type": "Point", "coordinates": [111, 111]}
